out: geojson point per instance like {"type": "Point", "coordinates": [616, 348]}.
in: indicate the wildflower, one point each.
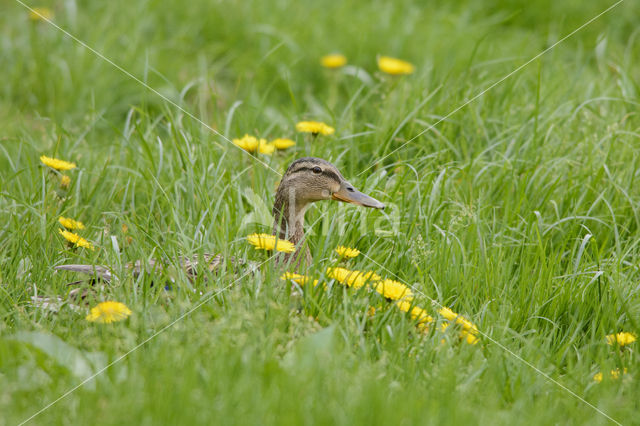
{"type": "Point", "coordinates": [622, 338]}
{"type": "Point", "coordinates": [452, 316]}
{"type": "Point", "coordinates": [346, 276]}
{"type": "Point", "coordinates": [298, 278]}
{"type": "Point", "coordinates": [395, 66]}
{"type": "Point", "coordinates": [54, 163]}
{"type": "Point", "coordinates": [269, 242]}
{"type": "Point", "coordinates": [448, 313]}
{"type": "Point", "coordinates": [347, 251]}
{"type": "Point", "coordinates": [108, 312]}
{"type": "Point", "coordinates": [470, 337]}
{"type": "Point", "coordinates": [266, 148]}
{"type": "Point", "coordinates": [282, 143]}
{"type": "Point", "coordinates": [355, 279]}
{"type": "Point", "coordinates": [371, 311]}
{"type": "Point", "coordinates": [70, 223]}
{"type": "Point", "coordinates": [614, 374]}
{"type": "Point", "coordinates": [372, 276]}
{"type": "Point", "coordinates": [76, 239]}
{"type": "Point", "coordinates": [314, 127]}
{"type": "Point", "coordinates": [293, 276]}
{"type": "Point", "coordinates": [393, 290]}
{"type": "Point", "coordinates": [335, 60]}
{"type": "Point", "coordinates": [40, 14]}
{"type": "Point", "coordinates": [248, 143]}
{"type": "Point", "coordinates": [416, 313]}
{"type": "Point", "coordinates": [65, 181]}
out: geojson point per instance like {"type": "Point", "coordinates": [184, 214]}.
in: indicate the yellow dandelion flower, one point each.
{"type": "Point", "coordinates": [70, 223]}
{"type": "Point", "coordinates": [622, 338]}
{"type": "Point", "coordinates": [444, 326]}
{"type": "Point", "coordinates": [248, 143]}
{"type": "Point", "coordinates": [448, 313]}
{"type": "Point", "coordinates": [282, 143]}
{"type": "Point", "coordinates": [347, 251]}
{"type": "Point", "coordinates": [54, 163]}
{"type": "Point", "coordinates": [346, 276]}
{"type": "Point", "coordinates": [266, 148]}
{"type": "Point", "coordinates": [269, 242]}
{"type": "Point", "coordinates": [469, 337]}
{"type": "Point", "coordinates": [355, 279]}
{"type": "Point", "coordinates": [452, 316]}
{"type": "Point", "coordinates": [108, 312]}
{"type": "Point", "coordinates": [371, 311]}
{"type": "Point", "coordinates": [335, 60]}
{"type": "Point", "coordinates": [395, 66]}
{"type": "Point", "coordinates": [614, 374]}
{"type": "Point", "coordinates": [314, 127]}
{"type": "Point", "coordinates": [298, 278]}
{"type": "Point", "coordinates": [393, 290]}
{"type": "Point", "coordinates": [76, 239]}
{"type": "Point", "coordinates": [293, 276]}
{"type": "Point", "coordinates": [371, 276]}
{"type": "Point", "coordinates": [65, 181]}
{"type": "Point", "coordinates": [415, 312]}
{"type": "Point", "coordinates": [40, 14]}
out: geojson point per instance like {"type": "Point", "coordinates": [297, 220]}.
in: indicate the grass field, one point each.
{"type": "Point", "coordinates": [519, 211]}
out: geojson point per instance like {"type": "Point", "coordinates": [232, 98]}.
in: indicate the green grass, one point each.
{"type": "Point", "coordinates": [520, 211]}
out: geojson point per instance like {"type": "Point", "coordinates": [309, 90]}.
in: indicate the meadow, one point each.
{"type": "Point", "coordinates": [519, 211]}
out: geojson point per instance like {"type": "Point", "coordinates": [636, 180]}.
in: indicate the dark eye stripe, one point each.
{"type": "Point", "coordinates": [328, 173]}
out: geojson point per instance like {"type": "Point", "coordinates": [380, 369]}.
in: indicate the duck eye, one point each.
{"type": "Point", "coordinates": [317, 170]}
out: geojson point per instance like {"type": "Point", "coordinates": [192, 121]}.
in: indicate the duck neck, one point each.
{"type": "Point", "coordinates": [289, 224]}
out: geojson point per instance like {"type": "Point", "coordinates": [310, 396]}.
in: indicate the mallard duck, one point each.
{"type": "Point", "coordinates": [306, 181]}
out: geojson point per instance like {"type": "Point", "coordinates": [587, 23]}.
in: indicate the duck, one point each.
{"type": "Point", "coordinates": [307, 180]}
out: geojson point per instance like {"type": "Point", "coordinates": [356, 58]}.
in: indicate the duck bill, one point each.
{"type": "Point", "coordinates": [354, 196]}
